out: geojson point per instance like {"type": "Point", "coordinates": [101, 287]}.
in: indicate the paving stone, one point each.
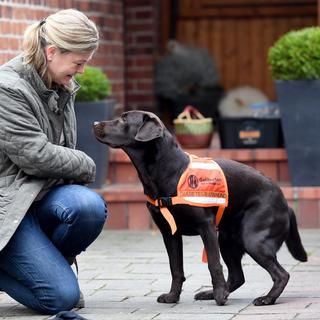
{"type": "Point", "coordinates": [123, 273]}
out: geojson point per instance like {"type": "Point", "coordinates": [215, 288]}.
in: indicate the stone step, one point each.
{"type": "Point", "coordinates": [127, 206]}
{"type": "Point", "coordinates": [126, 201]}
{"type": "Point", "coordinates": [272, 162]}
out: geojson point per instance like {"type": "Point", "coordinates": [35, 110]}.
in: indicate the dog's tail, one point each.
{"type": "Point", "coordinates": [293, 240]}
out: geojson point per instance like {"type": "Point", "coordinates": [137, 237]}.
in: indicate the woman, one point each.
{"type": "Point", "coordinates": [47, 215]}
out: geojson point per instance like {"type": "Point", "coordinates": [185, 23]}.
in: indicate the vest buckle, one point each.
{"type": "Point", "coordinates": [164, 202]}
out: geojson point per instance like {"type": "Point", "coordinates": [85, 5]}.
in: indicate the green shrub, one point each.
{"type": "Point", "coordinates": [95, 85]}
{"type": "Point", "coordinates": [296, 55]}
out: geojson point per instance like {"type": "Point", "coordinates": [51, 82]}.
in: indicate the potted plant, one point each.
{"type": "Point", "coordinates": [93, 104]}
{"type": "Point", "coordinates": [187, 75]}
{"type": "Point", "coordinates": [294, 60]}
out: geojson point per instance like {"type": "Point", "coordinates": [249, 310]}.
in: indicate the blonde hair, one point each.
{"type": "Point", "coordinates": [69, 30]}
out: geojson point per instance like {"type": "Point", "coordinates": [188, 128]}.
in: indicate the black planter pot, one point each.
{"type": "Point", "coordinates": [86, 114]}
{"type": "Point", "coordinates": [299, 103]}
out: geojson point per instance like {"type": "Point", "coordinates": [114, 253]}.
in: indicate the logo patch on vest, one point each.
{"type": "Point", "coordinates": [193, 181]}
{"type": "Point", "coordinates": [203, 183]}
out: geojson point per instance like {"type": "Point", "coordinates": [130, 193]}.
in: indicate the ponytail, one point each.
{"type": "Point", "coordinates": [33, 45]}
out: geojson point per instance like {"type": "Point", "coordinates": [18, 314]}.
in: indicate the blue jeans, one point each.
{"type": "Point", "coordinates": [33, 268]}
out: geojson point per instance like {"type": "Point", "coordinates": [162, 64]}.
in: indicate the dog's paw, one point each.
{"type": "Point", "coordinates": [204, 295]}
{"type": "Point", "coordinates": [168, 298]}
{"type": "Point", "coordinates": [221, 296]}
{"type": "Point", "coordinates": [264, 301]}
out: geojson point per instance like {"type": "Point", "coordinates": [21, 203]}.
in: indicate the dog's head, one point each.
{"type": "Point", "coordinates": [129, 128]}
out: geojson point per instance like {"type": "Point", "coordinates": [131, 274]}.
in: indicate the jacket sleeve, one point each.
{"type": "Point", "coordinates": [24, 142]}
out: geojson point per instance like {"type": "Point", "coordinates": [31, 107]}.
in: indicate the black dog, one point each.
{"type": "Point", "coordinates": [257, 220]}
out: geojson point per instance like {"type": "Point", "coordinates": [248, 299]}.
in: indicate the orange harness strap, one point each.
{"type": "Point", "coordinates": [197, 186]}
{"type": "Point", "coordinates": [169, 217]}
{"type": "Point", "coordinates": [218, 218]}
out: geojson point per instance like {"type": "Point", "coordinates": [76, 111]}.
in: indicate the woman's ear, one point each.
{"type": "Point", "coordinates": [50, 51]}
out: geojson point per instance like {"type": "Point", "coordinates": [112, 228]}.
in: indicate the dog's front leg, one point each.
{"type": "Point", "coordinates": [220, 289]}
{"type": "Point", "coordinates": [173, 245]}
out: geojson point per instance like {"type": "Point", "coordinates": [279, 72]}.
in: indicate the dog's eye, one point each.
{"type": "Point", "coordinates": [123, 119]}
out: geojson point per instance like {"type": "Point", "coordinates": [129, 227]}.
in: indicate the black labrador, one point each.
{"type": "Point", "coordinates": [257, 220]}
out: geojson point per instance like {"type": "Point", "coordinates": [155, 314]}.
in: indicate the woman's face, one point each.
{"type": "Point", "coordinates": [62, 67]}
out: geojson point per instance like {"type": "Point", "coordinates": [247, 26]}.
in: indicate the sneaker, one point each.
{"type": "Point", "coordinates": [64, 315]}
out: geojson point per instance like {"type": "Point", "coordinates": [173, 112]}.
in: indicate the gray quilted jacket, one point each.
{"type": "Point", "coordinates": [31, 159]}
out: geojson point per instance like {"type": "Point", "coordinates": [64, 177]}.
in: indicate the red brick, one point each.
{"type": "Point", "coordinates": [283, 172]}
{"type": "Point", "coordinates": [137, 74]}
{"type": "Point", "coordinates": [125, 173]}
{"type": "Point", "coordinates": [117, 216]}
{"type": "Point", "coordinates": [141, 99]}
{"type": "Point", "coordinates": [270, 154]}
{"type": "Point", "coordinates": [138, 3]}
{"type": "Point", "coordinates": [145, 39]}
{"type": "Point", "coordinates": [309, 213]}
{"type": "Point", "coordinates": [139, 26]}
{"type": "Point", "coordinates": [84, 6]}
{"type": "Point", "coordinates": [138, 216]}
{"type": "Point", "coordinates": [146, 13]}
{"type": "Point", "coordinates": [309, 193]}
{"type": "Point", "coordinates": [289, 193]}
{"type": "Point", "coordinates": [144, 61]}
{"type": "Point", "coordinates": [145, 86]}
{"type": "Point", "coordinates": [6, 11]}
{"type": "Point", "coordinates": [141, 50]}
{"type": "Point", "coordinates": [123, 193]}
{"type": "Point", "coordinates": [118, 155]}
{"type": "Point", "coordinates": [268, 168]}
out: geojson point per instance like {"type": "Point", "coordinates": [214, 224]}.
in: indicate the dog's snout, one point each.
{"type": "Point", "coordinates": [98, 128]}
{"type": "Point", "coordinates": [98, 125]}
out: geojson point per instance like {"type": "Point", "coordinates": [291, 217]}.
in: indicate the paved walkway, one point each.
{"type": "Point", "coordinates": [123, 272]}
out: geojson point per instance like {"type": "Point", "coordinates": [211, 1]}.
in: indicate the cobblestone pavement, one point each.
{"type": "Point", "coordinates": [123, 272]}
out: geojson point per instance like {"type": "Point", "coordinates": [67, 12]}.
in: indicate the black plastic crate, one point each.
{"type": "Point", "coordinates": [250, 133]}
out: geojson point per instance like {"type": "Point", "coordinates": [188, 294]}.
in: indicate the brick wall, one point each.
{"type": "Point", "coordinates": [141, 44]}
{"type": "Point", "coordinates": [16, 15]}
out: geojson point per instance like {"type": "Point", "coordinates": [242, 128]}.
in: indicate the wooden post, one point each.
{"type": "Point", "coordinates": [165, 23]}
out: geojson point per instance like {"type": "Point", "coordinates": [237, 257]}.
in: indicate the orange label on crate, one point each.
{"type": "Point", "coordinates": [249, 134]}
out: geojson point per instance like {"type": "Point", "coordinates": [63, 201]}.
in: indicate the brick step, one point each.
{"type": "Point", "coordinates": [127, 209]}
{"type": "Point", "coordinates": [272, 162]}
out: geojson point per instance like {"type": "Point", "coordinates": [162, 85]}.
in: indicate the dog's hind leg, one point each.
{"type": "Point", "coordinates": [174, 248]}
{"type": "Point", "coordinates": [231, 253]}
{"type": "Point", "coordinates": [267, 259]}
{"type": "Point", "coordinates": [220, 290]}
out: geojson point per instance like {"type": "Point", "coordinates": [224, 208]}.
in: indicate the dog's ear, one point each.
{"type": "Point", "coordinates": [151, 128]}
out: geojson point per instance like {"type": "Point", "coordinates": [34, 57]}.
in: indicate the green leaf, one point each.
{"type": "Point", "coordinates": [296, 55]}
{"type": "Point", "coordinates": [95, 85]}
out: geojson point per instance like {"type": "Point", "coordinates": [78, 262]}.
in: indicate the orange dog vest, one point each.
{"type": "Point", "coordinates": [202, 184]}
